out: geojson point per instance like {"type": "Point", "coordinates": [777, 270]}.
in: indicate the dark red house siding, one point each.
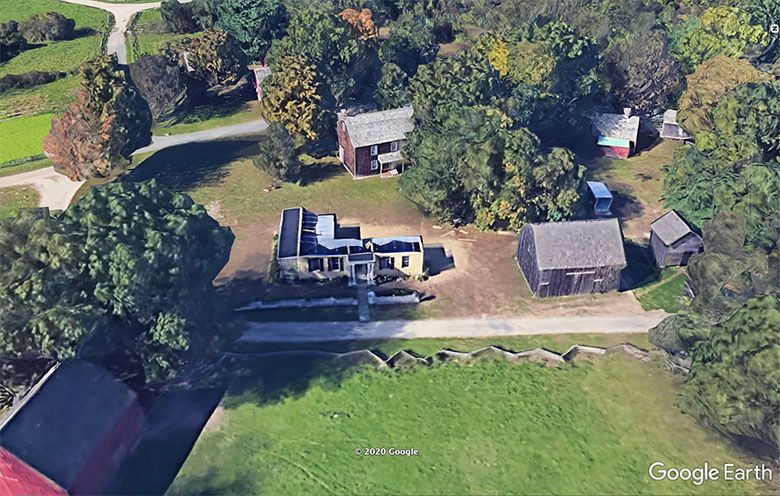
{"type": "Point", "coordinates": [107, 458]}
{"type": "Point", "coordinates": [19, 479]}
{"type": "Point", "coordinates": [346, 150]}
{"type": "Point", "coordinates": [615, 151]}
{"type": "Point", "coordinates": [358, 160]}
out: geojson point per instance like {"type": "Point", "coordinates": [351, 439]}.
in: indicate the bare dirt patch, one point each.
{"type": "Point", "coordinates": [214, 423]}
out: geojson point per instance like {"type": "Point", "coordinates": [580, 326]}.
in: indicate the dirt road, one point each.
{"type": "Point", "coordinates": [302, 332]}
{"type": "Point", "coordinates": [55, 190]}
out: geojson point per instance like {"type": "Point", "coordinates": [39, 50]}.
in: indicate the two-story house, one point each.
{"type": "Point", "coordinates": [370, 143]}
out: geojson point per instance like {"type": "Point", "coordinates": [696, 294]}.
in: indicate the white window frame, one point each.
{"type": "Point", "coordinates": [393, 146]}
{"type": "Point", "coordinates": [374, 150]}
{"type": "Point", "coordinates": [374, 165]}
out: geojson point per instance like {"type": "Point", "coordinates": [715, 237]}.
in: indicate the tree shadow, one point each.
{"type": "Point", "coordinates": [641, 268]}
{"type": "Point", "coordinates": [186, 166]}
{"type": "Point", "coordinates": [211, 107]}
{"type": "Point", "coordinates": [83, 32]}
{"type": "Point", "coordinates": [313, 173]}
{"type": "Point", "coordinates": [625, 205]}
{"type": "Point", "coordinates": [436, 259]}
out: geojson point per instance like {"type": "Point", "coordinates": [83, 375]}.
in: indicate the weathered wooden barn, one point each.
{"type": "Point", "coordinates": [69, 434]}
{"type": "Point", "coordinates": [672, 240]}
{"type": "Point", "coordinates": [671, 129]}
{"type": "Point", "coordinates": [564, 258]}
{"type": "Point", "coordinates": [370, 143]}
{"type": "Point", "coordinates": [616, 134]}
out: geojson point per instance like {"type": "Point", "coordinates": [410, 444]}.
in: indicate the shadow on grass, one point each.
{"type": "Point", "coordinates": [210, 108]}
{"type": "Point", "coordinates": [319, 172]}
{"type": "Point", "coordinates": [625, 206]}
{"type": "Point", "coordinates": [186, 166]}
{"type": "Point", "coordinates": [641, 269]}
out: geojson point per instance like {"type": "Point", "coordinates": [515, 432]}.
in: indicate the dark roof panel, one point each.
{"type": "Point", "coordinates": [60, 426]}
{"type": "Point", "coordinates": [288, 232]}
{"type": "Point", "coordinates": [670, 227]}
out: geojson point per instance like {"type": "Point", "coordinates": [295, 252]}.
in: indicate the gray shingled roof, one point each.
{"type": "Point", "coordinates": [579, 244]}
{"type": "Point", "coordinates": [617, 126]}
{"type": "Point", "coordinates": [670, 227]}
{"type": "Point", "coordinates": [372, 128]}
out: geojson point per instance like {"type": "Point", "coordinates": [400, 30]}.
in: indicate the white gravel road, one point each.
{"type": "Point", "coordinates": [55, 190]}
{"type": "Point", "coordinates": [301, 332]}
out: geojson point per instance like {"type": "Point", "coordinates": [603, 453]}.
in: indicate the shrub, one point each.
{"type": "Point", "coordinates": [161, 83]}
{"type": "Point", "coordinates": [12, 43]}
{"type": "Point", "coordinates": [277, 156]}
{"type": "Point", "coordinates": [50, 26]}
{"type": "Point", "coordinates": [28, 79]}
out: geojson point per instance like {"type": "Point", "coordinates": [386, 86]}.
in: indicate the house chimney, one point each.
{"type": "Point", "coordinates": [626, 112]}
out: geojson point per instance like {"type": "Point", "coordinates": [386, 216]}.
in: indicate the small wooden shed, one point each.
{"type": "Point", "coordinates": [672, 240]}
{"type": "Point", "coordinates": [671, 129]}
{"type": "Point", "coordinates": [564, 258]}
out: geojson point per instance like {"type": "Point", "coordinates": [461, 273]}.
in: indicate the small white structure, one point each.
{"type": "Point", "coordinates": [670, 129]}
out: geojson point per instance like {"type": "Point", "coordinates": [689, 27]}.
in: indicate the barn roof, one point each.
{"type": "Point", "coordinates": [61, 423]}
{"type": "Point", "coordinates": [670, 227]}
{"type": "Point", "coordinates": [372, 128]}
{"type": "Point", "coordinates": [617, 126]}
{"type": "Point", "coordinates": [578, 244]}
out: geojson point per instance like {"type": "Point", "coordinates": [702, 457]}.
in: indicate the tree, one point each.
{"type": "Point", "coordinates": [730, 332]}
{"type": "Point", "coordinates": [734, 167]}
{"type": "Point", "coordinates": [254, 23]}
{"type": "Point", "coordinates": [410, 44]}
{"type": "Point", "coordinates": [123, 276]}
{"type": "Point", "coordinates": [646, 75]}
{"type": "Point", "coordinates": [295, 96]}
{"type": "Point", "coordinates": [161, 84]}
{"type": "Point", "coordinates": [708, 84]}
{"type": "Point", "coordinates": [216, 57]}
{"type": "Point", "coordinates": [50, 26]}
{"type": "Point", "coordinates": [451, 83]}
{"type": "Point", "coordinates": [345, 63]}
{"type": "Point", "coordinates": [100, 130]}
{"type": "Point", "coordinates": [475, 168]}
{"type": "Point", "coordinates": [719, 31]}
{"type": "Point", "coordinates": [178, 16]}
{"type": "Point", "coordinates": [361, 23]}
{"type": "Point", "coordinates": [277, 155]}
{"type": "Point", "coordinates": [392, 90]}
{"type": "Point", "coordinates": [12, 43]}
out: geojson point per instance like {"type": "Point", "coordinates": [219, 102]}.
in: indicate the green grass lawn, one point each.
{"type": "Point", "coordinates": [149, 34]}
{"type": "Point", "coordinates": [23, 136]}
{"type": "Point", "coordinates": [62, 56]}
{"type": "Point", "coordinates": [220, 112]}
{"type": "Point", "coordinates": [21, 10]}
{"type": "Point", "coordinates": [52, 97]}
{"type": "Point", "coordinates": [25, 167]}
{"type": "Point", "coordinates": [16, 197]}
{"type": "Point", "coordinates": [485, 428]}
{"type": "Point", "coordinates": [667, 294]}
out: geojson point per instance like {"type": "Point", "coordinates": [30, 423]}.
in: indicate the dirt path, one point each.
{"type": "Point", "coordinates": [123, 13]}
{"type": "Point", "coordinates": [299, 332]}
{"type": "Point", "coordinates": [55, 189]}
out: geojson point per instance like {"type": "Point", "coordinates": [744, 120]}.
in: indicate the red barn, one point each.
{"type": "Point", "coordinates": [370, 143]}
{"type": "Point", "coordinates": [616, 134]}
{"type": "Point", "coordinates": [69, 434]}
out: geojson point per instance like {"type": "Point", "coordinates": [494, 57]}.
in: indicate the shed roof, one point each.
{"type": "Point", "coordinates": [372, 128]}
{"type": "Point", "coordinates": [670, 227]}
{"type": "Point", "coordinates": [599, 190]}
{"type": "Point", "coordinates": [671, 129]}
{"type": "Point", "coordinates": [578, 244]}
{"type": "Point", "coordinates": [617, 126]}
{"type": "Point", "coordinates": [60, 425]}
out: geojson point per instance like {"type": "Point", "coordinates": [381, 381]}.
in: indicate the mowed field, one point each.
{"type": "Point", "coordinates": [23, 136]}
{"type": "Point", "coordinates": [149, 34]}
{"type": "Point", "coordinates": [14, 198]}
{"type": "Point", "coordinates": [61, 56]}
{"type": "Point", "coordinates": [484, 428]}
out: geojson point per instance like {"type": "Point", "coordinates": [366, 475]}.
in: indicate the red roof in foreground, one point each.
{"type": "Point", "coordinates": [19, 479]}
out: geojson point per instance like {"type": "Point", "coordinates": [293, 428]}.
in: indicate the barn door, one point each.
{"type": "Point", "coordinates": [581, 282]}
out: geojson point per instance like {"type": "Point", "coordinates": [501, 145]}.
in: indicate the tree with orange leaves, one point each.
{"type": "Point", "coordinates": [361, 23]}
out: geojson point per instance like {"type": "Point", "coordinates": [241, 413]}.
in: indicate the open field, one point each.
{"type": "Point", "coordinates": [21, 10]}
{"type": "Point", "coordinates": [485, 428]}
{"type": "Point", "coordinates": [637, 186]}
{"type": "Point", "coordinates": [62, 56]}
{"type": "Point", "coordinates": [24, 167]}
{"type": "Point", "coordinates": [52, 97]}
{"type": "Point", "coordinates": [14, 198]}
{"type": "Point", "coordinates": [23, 136]}
{"type": "Point", "coordinates": [149, 34]}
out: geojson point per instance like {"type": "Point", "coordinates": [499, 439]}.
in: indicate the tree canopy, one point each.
{"type": "Point", "coordinates": [100, 130]}
{"type": "Point", "coordinates": [730, 332]}
{"type": "Point", "coordinates": [277, 155]}
{"type": "Point", "coordinates": [254, 23]}
{"type": "Point", "coordinates": [123, 276]}
{"type": "Point", "coordinates": [161, 84]}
